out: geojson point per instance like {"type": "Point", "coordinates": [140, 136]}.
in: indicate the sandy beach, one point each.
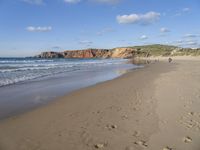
{"type": "Point", "coordinates": [153, 108]}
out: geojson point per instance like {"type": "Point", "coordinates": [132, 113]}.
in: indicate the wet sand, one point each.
{"type": "Point", "coordinates": [153, 108]}
{"type": "Point", "coordinates": [22, 97]}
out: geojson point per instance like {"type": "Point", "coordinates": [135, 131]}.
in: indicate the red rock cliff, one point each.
{"type": "Point", "coordinates": [91, 53]}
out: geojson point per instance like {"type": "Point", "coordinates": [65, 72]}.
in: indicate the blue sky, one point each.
{"type": "Point", "coordinates": [28, 27]}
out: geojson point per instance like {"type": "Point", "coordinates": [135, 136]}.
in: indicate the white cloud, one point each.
{"type": "Point", "coordinates": [143, 37]}
{"type": "Point", "coordinates": [186, 9]}
{"type": "Point", "coordinates": [192, 43]}
{"type": "Point", "coordinates": [36, 2]}
{"type": "Point", "coordinates": [187, 43]}
{"type": "Point", "coordinates": [72, 1]}
{"type": "Point", "coordinates": [85, 42]}
{"type": "Point", "coordinates": [181, 12]}
{"type": "Point", "coordinates": [188, 40]}
{"type": "Point", "coordinates": [164, 30]}
{"type": "Point", "coordinates": [190, 35]}
{"type": "Point", "coordinates": [148, 18]}
{"type": "Point", "coordinates": [39, 29]}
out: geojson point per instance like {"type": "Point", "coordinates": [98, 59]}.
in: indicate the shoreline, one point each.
{"type": "Point", "coordinates": [123, 113]}
{"type": "Point", "coordinates": [23, 97]}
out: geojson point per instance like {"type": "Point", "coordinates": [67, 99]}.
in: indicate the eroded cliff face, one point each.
{"type": "Point", "coordinates": [123, 53]}
{"type": "Point", "coordinates": [91, 53]}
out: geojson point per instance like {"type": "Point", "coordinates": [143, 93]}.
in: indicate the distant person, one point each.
{"type": "Point", "coordinates": [170, 60]}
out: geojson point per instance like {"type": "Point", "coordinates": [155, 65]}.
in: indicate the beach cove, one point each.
{"type": "Point", "coordinates": [155, 107]}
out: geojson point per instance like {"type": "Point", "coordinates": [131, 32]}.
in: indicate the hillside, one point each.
{"type": "Point", "coordinates": [165, 50]}
{"type": "Point", "coordinates": [124, 52]}
{"type": "Point", "coordinates": [155, 50]}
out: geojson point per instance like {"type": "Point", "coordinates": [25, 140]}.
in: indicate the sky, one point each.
{"type": "Point", "coordinates": [28, 27]}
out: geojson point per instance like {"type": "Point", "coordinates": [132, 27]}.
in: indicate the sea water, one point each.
{"type": "Point", "coordinates": [29, 82]}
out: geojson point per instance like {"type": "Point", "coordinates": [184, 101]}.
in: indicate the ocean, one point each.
{"type": "Point", "coordinates": [26, 83]}
{"type": "Point", "coordinates": [15, 70]}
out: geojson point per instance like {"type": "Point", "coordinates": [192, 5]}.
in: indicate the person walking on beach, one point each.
{"type": "Point", "coordinates": [170, 60]}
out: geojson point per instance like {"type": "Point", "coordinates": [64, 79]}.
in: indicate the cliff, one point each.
{"type": "Point", "coordinates": [124, 52]}
{"type": "Point", "coordinates": [91, 53]}
{"type": "Point", "coordinates": [50, 55]}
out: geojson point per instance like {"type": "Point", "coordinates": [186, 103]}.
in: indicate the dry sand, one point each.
{"type": "Point", "coordinates": [173, 57]}
{"type": "Point", "coordinates": [154, 108]}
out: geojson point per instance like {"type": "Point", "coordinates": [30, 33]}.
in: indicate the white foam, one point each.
{"type": "Point", "coordinates": [14, 71]}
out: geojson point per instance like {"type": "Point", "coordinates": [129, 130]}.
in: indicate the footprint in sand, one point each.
{"type": "Point", "coordinates": [98, 146]}
{"type": "Point", "coordinates": [101, 145]}
{"type": "Point", "coordinates": [191, 113]}
{"type": "Point", "coordinates": [190, 123]}
{"type": "Point", "coordinates": [96, 112]}
{"type": "Point", "coordinates": [167, 148]}
{"type": "Point", "coordinates": [124, 117]}
{"type": "Point", "coordinates": [187, 139]}
{"type": "Point", "coordinates": [141, 143]}
{"type": "Point", "coordinates": [111, 126]}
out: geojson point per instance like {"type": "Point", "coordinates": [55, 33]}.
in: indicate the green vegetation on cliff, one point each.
{"type": "Point", "coordinates": [164, 50]}
{"type": "Point", "coordinates": [124, 52]}
{"type": "Point", "coordinates": [154, 50]}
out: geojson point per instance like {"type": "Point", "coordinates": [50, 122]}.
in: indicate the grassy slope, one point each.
{"type": "Point", "coordinates": [155, 50]}
{"type": "Point", "coordinates": [165, 50]}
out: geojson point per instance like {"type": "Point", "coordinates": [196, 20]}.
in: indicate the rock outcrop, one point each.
{"type": "Point", "coordinates": [91, 53]}
{"type": "Point", "coordinates": [123, 53]}
{"type": "Point", "coordinates": [50, 55]}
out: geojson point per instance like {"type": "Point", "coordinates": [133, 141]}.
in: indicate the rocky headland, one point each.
{"type": "Point", "coordinates": [123, 52]}
{"type": "Point", "coordinates": [91, 53]}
